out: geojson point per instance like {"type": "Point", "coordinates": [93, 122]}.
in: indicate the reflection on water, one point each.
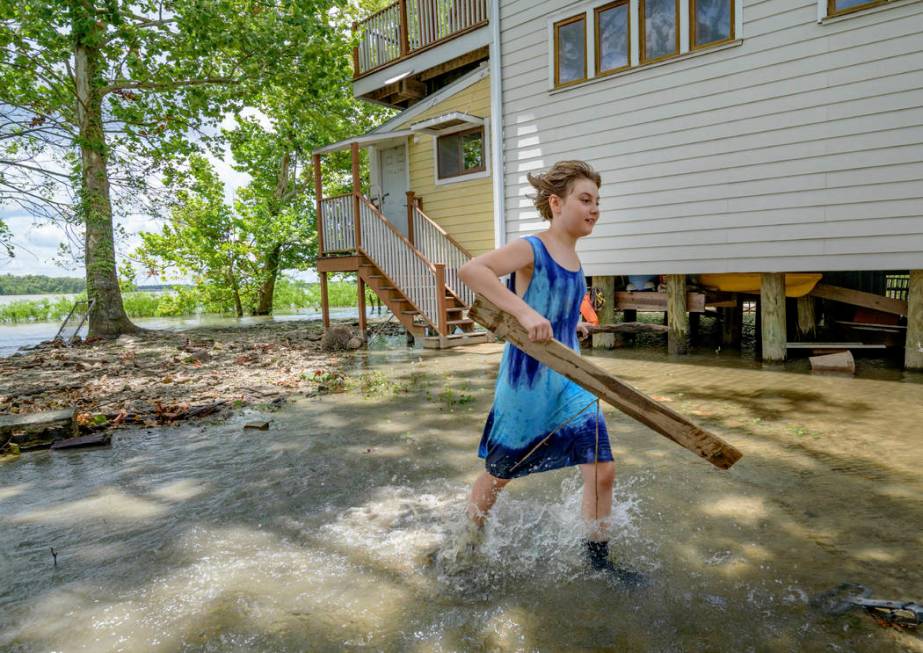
{"type": "Point", "coordinates": [317, 534]}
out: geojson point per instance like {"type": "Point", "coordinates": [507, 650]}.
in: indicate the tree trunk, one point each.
{"type": "Point", "coordinates": [235, 291]}
{"type": "Point", "coordinates": [268, 286]}
{"type": "Point", "coordinates": [108, 318]}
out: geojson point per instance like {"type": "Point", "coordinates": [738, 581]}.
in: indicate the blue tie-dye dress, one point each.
{"type": "Point", "coordinates": [532, 401]}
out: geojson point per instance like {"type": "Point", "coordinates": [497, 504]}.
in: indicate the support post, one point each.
{"type": "Point", "coordinates": [677, 317]}
{"type": "Point", "coordinates": [913, 348]}
{"type": "Point", "coordinates": [629, 315]}
{"type": "Point", "coordinates": [357, 192]}
{"type": "Point", "coordinates": [732, 324]}
{"type": "Point", "coordinates": [324, 300]}
{"type": "Point", "coordinates": [405, 40]}
{"type": "Point", "coordinates": [361, 301]}
{"type": "Point", "coordinates": [411, 198]}
{"type": "Point", "coordinates": [606, 313]}
{"type": "Point", "coordinates": [806, 307]}
{"type": "Point", "coordinates": [772, 303]}
{"type": "Point", "coordinates": [440, 299]}
{"type": "Point", "coordinates": [355, 51]}
{"type": "Point", "coordinates": [318, 205]}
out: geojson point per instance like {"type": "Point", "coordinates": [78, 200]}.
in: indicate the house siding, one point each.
{"type": "Point", "coordinates": [464, 208]}
{"type": "Point", "coordinates": [799, 149]}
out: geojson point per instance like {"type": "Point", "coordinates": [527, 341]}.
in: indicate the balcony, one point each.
{"type": "Point", "coordinates": [419, 29]}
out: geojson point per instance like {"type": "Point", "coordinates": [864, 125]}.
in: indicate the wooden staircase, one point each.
{"type": "Point", "coordinates": [427, 298]}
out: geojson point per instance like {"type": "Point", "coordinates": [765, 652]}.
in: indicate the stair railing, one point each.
{"type": "Point", "coordinates": [338, 224]}
{"type": "Point", "coordinates": [437, 245]}
{"type": "Point", "coordinates": [421, 282]}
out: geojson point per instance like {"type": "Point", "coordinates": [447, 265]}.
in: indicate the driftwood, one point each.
{"type": "Point", "coordinates": [607, 387]}
{"type": "Point", "coordinates": [83, 441]}
{"type": "Point", "coordinates": [38, 430]}
{"type": "Point", "coordinates": [628, 327]}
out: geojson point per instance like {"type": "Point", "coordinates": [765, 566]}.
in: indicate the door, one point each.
{"type": "Point", "coordinates": [394, 186]}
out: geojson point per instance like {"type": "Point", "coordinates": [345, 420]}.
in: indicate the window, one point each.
{"type": "Point", "coordinates": [460, 153]}
{"type": "Point", "coordinates": [836, 7]}
{"type": "Point", "coordinates": [570, 51]}
{"type": "Point", "coordinates": [711, 21]}
{"type": "Point", "coordinates": [613, 52]}
{"type": "Point", "coordinates": [659, 36]}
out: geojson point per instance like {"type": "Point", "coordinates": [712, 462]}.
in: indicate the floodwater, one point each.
{"type": "Point", "coordinates": [317, 534]}
{"type": "Point", "coordinates": [28, 334]}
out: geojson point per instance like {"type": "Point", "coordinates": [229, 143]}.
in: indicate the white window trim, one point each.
{"type": "Point", "coordinates": [822, 16]}
{"type": "Point", "coordinates": [471, 176]}
{"type": "Point", "coordinates": [635, 37]}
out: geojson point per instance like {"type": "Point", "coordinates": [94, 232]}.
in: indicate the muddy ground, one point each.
{"type": "Point", "coordinates": [158, 377]}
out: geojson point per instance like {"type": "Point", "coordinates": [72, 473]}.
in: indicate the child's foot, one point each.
{"type": "Point", "coordinates": [597, 554]}
{"type": "Point", "coordinates": [460, 553]}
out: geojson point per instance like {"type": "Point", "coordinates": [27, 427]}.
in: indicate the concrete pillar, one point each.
{"type": "Point", "coordinates": [913, 351]}
{"type": "Point", "coordinates": [772, 319]}
{"type": "Point", "coordinates": [677, 317]}
{"type": "Point", "coordinates": [606, 314]}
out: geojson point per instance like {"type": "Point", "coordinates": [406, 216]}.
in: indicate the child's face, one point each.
{"type": "Point", "coordinates": [578, 212]}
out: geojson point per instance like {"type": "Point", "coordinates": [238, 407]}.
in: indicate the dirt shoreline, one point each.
{"type": "Point", "coordinates": [158, 377]}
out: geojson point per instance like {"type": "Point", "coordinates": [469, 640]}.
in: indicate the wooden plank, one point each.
{"type": "Point", "coordinates": [859, 298]}
{"type": "Point", "coordinates": [628, 327]}
{"type": "Point", "coordinates": [38, 430]}
{"type": "Point", "coordinates": [607, 387]}
{"type": "Point", "coordinates": [656, 301]}
{"type": "Point", "coordinates": [83, 441]}
{"type": "Point", "coordinates": [338, 264]}
{"type": "Point", "coordinates": [832, 345]}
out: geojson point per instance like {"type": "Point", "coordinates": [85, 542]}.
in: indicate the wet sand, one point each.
{"type": "Point", "coordinates": [314, 535]}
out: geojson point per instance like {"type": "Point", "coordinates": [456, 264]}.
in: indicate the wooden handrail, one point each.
{"type": "Point", "coordinates": [448, 237]}
{"type": "Point", "coordinates": [378, 214]}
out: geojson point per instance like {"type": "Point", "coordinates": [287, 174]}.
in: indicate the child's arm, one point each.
{"type": "Point", "coordinates": [482, 274]}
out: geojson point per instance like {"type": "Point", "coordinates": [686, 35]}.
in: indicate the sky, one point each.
{"type": "Point", "coordinates": [36, 243]}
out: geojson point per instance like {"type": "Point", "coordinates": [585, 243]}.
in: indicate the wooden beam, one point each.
{"type": "Point", "coordinates": [772, 316]}
{"type": "Point", "coordinates": [859, 298]}
{"type": "Point", "coordinates": [605, 339]}
{"type": "Point", "coordinates": [607, 387]}
{"type": "Point", "coordinates": [447, 67]}
{"type": "Point", "coordinates": [628, 327]}
{"type": "Point", "coordinates": [677, 315]}
{"type": "Point", "coordinates": [357, 191]}
{"type": "Point", "coordinates": [324, 299]}
{"type": "Point", "coordinates": [656, 301]}
{"type": "Point", "coordinates": [338, 264]}
{"type": "Point", "coordinates": [360, 286]}
{"type": "Point", "coordinates": [913, 347]}
{"type": "Point", "coordinates": [318, 204]}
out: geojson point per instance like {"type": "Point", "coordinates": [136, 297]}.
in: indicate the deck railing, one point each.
{"type": "Point", "coordinates": [408, 26]}
{"type": "Point", "coordinates": [439, 247]}
{"type": "Point", "coordinates": [393, 254]}
{"type": "Point", "coordinates": [339, 224]}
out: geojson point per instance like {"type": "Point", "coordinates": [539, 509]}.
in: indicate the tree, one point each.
{"type": "Point", "coordinates": [96, 96]}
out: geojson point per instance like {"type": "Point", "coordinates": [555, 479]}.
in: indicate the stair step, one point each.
{"type": "Point", "coordinates": [459, 322]}
{"type": "Point", "coordinates": [410, 312]}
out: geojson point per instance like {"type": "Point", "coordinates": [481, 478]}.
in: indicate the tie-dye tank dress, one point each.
{"type": "Point", "coordinates": [533, 402]}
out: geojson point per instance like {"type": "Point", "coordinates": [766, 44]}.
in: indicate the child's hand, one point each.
{"type": "Point", "coordinates": [538, 327]}
{"type": "Point", "coordinates": [582, 330]}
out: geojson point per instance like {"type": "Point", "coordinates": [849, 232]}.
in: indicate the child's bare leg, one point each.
{"type": "Point", "coordinates": [484, 494]}
{"type": "Point", "coordinates": [598, 480]}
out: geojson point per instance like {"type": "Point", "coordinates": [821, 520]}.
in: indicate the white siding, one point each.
{"type": "Point", "coordinates": [799, 149]}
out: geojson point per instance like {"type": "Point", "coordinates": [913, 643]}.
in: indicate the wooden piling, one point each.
{"type": "Point", "coordinates": [807, 317]}
{"type": "Point", "coordinates": [678, 318]}
{"type": "Point", "coordinates": [772, 319]}
{"type": "Point", "coordinates": [362, 326]}
{"type": "Point", "coordinates": [913, 349]}
{"type": "Point", "coordinates": [732, 324]}
{"type": "Point", "coordinates": [606, 313]}
{"type": "Point", "coordinates": [324, 299]}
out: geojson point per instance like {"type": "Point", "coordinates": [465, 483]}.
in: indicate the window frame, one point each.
{"type": "Point", "coordinates": [557, 68]}
{"type": "Point", "coordinates": [472, 173]}
{"type": "Point", "coordinates": [832, 10]}
{"type": "Point", "coordinates": [598, 41]}
{"type": "Point", "coordinates": [732, 37]}
{"type": "Point", "coordinates": [642, 49]}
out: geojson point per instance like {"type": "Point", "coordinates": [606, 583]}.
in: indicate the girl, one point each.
{"type": "Point", "coordinates": [540, 420]}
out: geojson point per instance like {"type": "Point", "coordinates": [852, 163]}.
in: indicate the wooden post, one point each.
{"type": "Point", "coordinates": [324, 300]}
{"type": "Point", "coordinates": [678, 318]}
{"type": "Point", "coordinates": [594, 379]}
{"type": "Point", "coordinates": [405, 40]}
{"type": "Point", "coordinates": [318, 203]}
{"type": "Point", "coordinates": [807, 318]}
{"type": "Point", "coordinates": [772, 305]}
{"type": "Point", "coordinates": [440, 299]}
{"type": "Point", "coordinates": [606, 314]}
{"type": "Point", "coordinates": [362, 325]}
{"type": "Point", "coordinates": [410, 205]}
{"type": "Point", "coordinates": [732, 323]}
{"type": "Point", "coordinates": [357, 192]}
{"type": "Point", "coordinates": [913, 349]}
{"type": "Point", "coordinates": [355, 51]}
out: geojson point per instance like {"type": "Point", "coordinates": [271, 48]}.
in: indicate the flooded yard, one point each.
{"type": "Point", "coordinates": [318, 533]}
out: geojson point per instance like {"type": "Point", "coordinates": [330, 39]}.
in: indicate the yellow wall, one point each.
{"type": "Point", "coordinates": [464, 208]}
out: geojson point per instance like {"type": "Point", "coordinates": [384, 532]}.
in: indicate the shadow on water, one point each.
{"type": "Point", "coordinates": [315, 534]}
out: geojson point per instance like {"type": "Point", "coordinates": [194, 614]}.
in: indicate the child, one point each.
{"type": "Point", "coordinates": [540, 420]}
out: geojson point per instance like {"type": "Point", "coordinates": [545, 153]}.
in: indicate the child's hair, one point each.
{"type": "Point", "coordinates": [559, 181]}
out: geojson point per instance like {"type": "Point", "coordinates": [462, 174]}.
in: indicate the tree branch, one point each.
{"type": "Point", "coordinates": [121, 85]}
